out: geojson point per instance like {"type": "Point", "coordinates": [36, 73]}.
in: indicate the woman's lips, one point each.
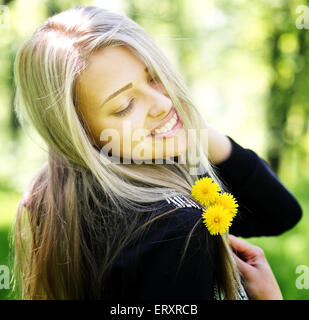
{"type": "Point", "coordinates": [166, 119]}
{"type": "Point", "coordinates": [172, 131]}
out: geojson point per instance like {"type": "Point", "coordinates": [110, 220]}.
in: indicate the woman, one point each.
{"type": "Point", "coordinates": [114, 218]}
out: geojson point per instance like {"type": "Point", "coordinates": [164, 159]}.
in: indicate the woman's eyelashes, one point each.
{"type": "Point", "coordinates": [155, 81]}
{"type": "Point", "coordinates": [126, 110]}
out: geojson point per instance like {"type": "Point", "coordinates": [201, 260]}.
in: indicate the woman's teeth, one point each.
{"type": "Point", "coordinates": [168, 126]}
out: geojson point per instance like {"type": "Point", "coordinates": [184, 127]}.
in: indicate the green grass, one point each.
{"type": "Point", "coordinates": [8, 206]}
{"type": "Point", "coordinates": [4, 250]}
{"type": "Point", "coordinates": [289, 250]}
{"type": "Point", "coordinates": [284, 252]}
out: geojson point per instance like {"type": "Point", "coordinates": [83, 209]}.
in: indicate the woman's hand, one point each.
{"type": "Point", "coordinates": [260, 282]}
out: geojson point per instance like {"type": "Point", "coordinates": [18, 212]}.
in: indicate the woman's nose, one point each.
{"type": "Point", "coordinates": [159, 106]}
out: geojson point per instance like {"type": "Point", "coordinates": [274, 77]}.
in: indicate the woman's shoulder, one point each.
{"type": "Point", "coordinates": [173, 219]}
{"type": "Point", "coordinates": [177, 208]}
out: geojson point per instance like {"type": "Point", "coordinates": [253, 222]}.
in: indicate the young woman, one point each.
{"type": "Point", "coordinates": [110, 215]}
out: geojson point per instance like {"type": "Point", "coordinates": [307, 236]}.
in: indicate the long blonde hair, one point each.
{"type": "Point", "coordinates": [52, 250]}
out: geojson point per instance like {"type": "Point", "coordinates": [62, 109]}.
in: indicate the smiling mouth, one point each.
{"type": "Point", "coordinates": [169, 128]}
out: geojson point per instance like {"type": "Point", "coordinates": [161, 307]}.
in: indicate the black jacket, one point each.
{"type": "Point", "coordinates": [147, 269]}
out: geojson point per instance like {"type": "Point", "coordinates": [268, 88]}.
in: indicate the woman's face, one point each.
{"type": "Point", "coordinates": [125, 110]}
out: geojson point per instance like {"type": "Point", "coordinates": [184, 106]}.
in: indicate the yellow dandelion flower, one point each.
{"type": "Point", "coordinates": [217, 219]}
{"type": "Point", "coordinates": [205, 191]}
{"type": "Point", "coordinates": [228, 202]}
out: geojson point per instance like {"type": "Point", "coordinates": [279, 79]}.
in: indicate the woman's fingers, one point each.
{"type": "Point", "coordinates": [244, 248]}
{"type": "Point", "coordinates": [258, 278]}
{"type": "Point", "coordinates": [240, 245]}
{"type": "Point", "coordinates": [242, 266]}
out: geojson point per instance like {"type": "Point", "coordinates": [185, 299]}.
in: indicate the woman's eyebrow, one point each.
{"type": "Point", "coordinates": [126, 87]}
{"type": "Point", "coordinates": [113, 95]}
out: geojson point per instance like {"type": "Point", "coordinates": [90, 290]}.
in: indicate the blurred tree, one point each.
{"type": "Point", "coordinates": [53, 7]}
{"type": "Point", "coordinates": [289, 88]}
{"type": "Point", "coordinates": [9, 82]}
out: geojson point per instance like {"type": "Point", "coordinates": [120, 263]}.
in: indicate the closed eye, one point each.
{"type": "Point", "coordinates": [126, 110]}
{"type": "Point", "coordinates": [131, 104]}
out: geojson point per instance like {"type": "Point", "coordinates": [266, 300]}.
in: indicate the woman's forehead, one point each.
{"type": "Point", "coordinates": [109, 61]}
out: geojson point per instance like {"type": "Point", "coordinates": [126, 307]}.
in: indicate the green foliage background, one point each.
{"type": "Point", "coordinates": [246, 64]}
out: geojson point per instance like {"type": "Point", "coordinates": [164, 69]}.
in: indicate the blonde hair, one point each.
{"type": "Point", "coordinates": [52, 251]}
